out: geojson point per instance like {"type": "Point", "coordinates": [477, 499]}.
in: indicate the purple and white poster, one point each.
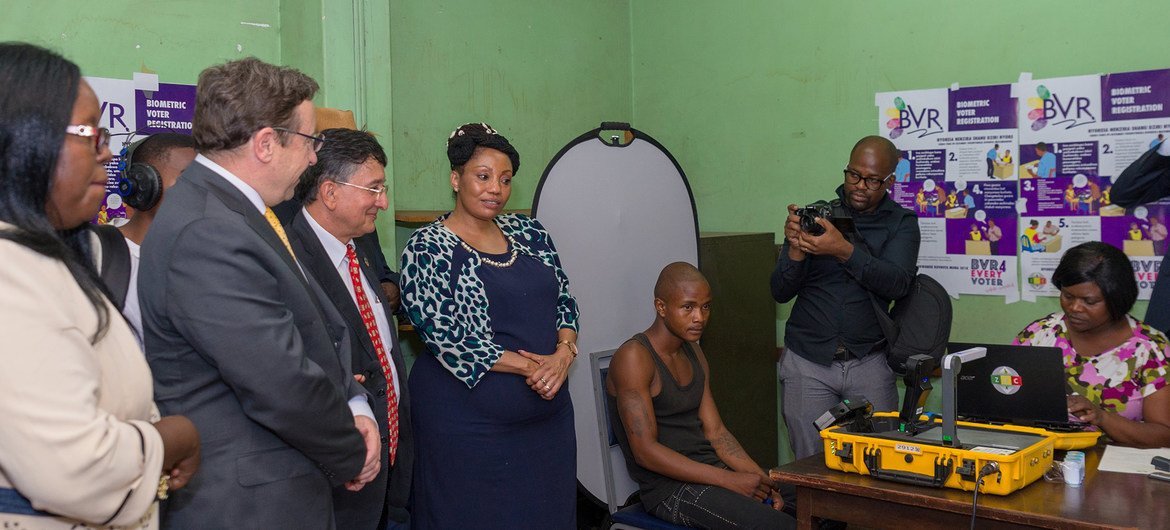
{"type": "Point", "coordinates": [1076, 135]}
{"type": "Point", "coordinates": [957, 171]}
{"type": "Point", "coordinates": [132, 109]}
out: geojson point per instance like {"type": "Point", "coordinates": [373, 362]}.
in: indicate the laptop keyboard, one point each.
{"type": "Point", "coordinates": [1054, 426]}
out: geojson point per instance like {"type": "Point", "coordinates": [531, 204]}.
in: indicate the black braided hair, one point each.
{"type": "Point", "coordinates": [463, 141]}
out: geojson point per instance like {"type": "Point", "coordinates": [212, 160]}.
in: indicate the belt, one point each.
{"type": "Point", "coordinates": [11, 501]}
{"type": "Point", "coordinates": [842, 353]}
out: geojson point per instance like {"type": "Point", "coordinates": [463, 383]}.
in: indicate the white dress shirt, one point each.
{"type": "Point", "coordinates": [336, 250]}
{"type": "Point", "coordinates": [131, 309]}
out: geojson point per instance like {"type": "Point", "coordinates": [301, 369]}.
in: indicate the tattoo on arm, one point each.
{"type": "Point", "coordinates": [633, 414]}
{"type": "Point", "coordinates": [726, 444]}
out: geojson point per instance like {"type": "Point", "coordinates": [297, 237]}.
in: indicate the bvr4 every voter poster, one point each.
{"type": "Point", "coordinates": [1077, 134]}
{"type": "Point", "coordinates": [957, 170]}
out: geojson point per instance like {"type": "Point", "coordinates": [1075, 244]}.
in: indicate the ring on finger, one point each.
{"type": "Point", "coordinates": [547, 386]}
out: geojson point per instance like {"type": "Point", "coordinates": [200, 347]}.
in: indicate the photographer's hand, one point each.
{"type": "Point", "coordinates": [830, 243]}
{"type": "Point", "coordinates": [792, 234]}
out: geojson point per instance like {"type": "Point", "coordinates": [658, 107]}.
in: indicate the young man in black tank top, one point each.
{"type": "Point", "coordinates": [690, 469]}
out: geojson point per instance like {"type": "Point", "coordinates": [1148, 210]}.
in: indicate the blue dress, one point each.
{"type": "Point", "coordinates": [496, 455]}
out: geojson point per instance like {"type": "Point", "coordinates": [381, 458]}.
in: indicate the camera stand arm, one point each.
{"type": "Point", "coordinates": [952, 365]}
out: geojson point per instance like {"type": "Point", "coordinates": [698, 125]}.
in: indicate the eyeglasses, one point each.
{"type": "Point", "coordinates": [318, 141]}
{"type": "Point", "coordinates": [380, 190]}
{"type": "Point", "coordinates": [854, 177]}
{"type": "Point", "coordinates": [100, 136]}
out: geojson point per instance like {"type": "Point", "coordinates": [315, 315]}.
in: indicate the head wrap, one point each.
{"type": "Point", "coordinates": [463, 141]}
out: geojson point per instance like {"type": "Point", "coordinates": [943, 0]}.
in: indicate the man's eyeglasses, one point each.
{"type": "Point", "coordinates": [99, 136]}
{"type": "Point", "coordinates": [854, 177]}
{"type": "Point", "coordinates": [380, 190]}
{"type": "Point", "coordinates": [318, 141]}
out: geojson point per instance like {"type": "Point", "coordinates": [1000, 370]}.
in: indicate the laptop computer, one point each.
{"type": "Point", "coordinates": [1020, 385]}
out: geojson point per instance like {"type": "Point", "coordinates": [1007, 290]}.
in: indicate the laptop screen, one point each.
{"type": "Point", "coordinates": [1012, 384]}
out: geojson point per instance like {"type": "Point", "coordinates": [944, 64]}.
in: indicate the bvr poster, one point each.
{"type": "Point", "coordinates": [132, 109]}
{"type": "Point", "coordinates": [957, 171]}
{"type": "Point", "coordinates": [1076, 135]}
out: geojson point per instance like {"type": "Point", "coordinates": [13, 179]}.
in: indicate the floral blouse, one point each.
{"type": "Point", "coordinates": [1116, 379]}
{"type": "Point", "coordinates": [447, 303]}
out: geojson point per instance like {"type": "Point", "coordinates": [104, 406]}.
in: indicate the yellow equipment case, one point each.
{"type": "Point", "coordinates": [1023, 454]}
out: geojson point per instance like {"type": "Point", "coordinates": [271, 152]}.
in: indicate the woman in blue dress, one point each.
{"type": "Point", "coordinates": [492, 416]}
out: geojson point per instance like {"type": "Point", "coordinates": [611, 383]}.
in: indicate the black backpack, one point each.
{"type": "Point", "coordinates": [115, 266]}
{"type": "Point", "coordinates": [919, 323]}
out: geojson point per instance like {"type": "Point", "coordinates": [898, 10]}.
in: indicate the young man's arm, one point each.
{"type": "Point", "coordinates": [725, 443]}
{"type": "Point", "coordinates": [631, 373]}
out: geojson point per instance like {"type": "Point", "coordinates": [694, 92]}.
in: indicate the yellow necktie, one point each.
{"type": "Point", "coordinates": [275, 222]}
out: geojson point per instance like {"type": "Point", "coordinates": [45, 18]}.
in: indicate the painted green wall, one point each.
{"type": "Point", "coordinates": [176, 40]}
{"type": "Point", "coordinates": [539, 72]}
{"type": "Point", "coordinates": [761, 100]}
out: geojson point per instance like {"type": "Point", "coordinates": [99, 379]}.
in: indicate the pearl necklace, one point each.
{"type": "Point", "coordinates": [493, 263]}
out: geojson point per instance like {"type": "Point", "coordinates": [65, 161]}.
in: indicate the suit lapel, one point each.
{"type": "Point", "coordinates": [317, 261]}
{"type": "Point", "coordinates": [237, 202]}
{"type": "Point", "coordinates": [234, 200]}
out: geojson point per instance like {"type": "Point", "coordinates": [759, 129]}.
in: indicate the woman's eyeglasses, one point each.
{"type": "Point", "coordinates": [99, 135]}
{"type": "Point", "coordinates": [854, 177]}
{"type": "Point", "coordinates": [318, 141]}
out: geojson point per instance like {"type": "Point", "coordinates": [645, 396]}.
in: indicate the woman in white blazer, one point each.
{"type": "Point", "coordinates": [80, 438]}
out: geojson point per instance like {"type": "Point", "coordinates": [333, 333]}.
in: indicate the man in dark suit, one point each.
{"type": "Point", "coordinates": [1147, 180]}
{"type": "Point", "coordinates": [342, 195]}
{"type": "Point", "coordinates": [237, 337]}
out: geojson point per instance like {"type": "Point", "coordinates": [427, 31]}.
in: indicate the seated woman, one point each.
{"type": "Point", "coordinates": [1116, 365]}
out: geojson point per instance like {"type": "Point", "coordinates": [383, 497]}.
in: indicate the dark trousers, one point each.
{"type": "Point", "coordinates": [702, 506]}
{"type": "Point", "coordinates": [990, 167]}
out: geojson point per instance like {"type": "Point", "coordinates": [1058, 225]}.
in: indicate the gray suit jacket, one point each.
{"type": "Point", "coordinates": [243, 344]}
{"type": "Point", "coordinates": [391, 490]}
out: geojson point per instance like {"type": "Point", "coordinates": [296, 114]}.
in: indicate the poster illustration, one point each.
{"type": "Point", "coordinates": [133, 109]}
{"type": "Point", "coordinates": [957, 170]}
{"type": "Point", "coordinates": [1077, 134]}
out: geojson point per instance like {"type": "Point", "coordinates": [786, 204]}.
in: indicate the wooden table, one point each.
{"type": "Point", "coordinates": [1105, 500]}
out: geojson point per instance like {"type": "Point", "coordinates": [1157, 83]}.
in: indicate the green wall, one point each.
{"type": "Point", "coordinates": [539, 72]}
{"type": "Point", "coordinates": [761, 100]}
{"type": "Point", "coordinates": [176, 40]}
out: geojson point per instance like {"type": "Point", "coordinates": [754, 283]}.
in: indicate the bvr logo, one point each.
{"type": "Point", "coordinates": [1075, 109]}
{"type": "Point", "coordinates": [903, 118]}
{"type": "Point", "coordinates": [923, 119]}
{"type": "Point", "coordinates": [116, 112]}
{"type": "Point", "coordinates": [1047, 106]}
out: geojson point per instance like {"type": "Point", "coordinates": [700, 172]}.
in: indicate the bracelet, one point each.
{"type": "Point", "coordinates": [164, 486]}
{"type": "Point", "coordinates": [572, 346]}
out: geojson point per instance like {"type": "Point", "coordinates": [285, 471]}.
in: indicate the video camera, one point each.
{"type": "Point", "coordinates": [831, 211]}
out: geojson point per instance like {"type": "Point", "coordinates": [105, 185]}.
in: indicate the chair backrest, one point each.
{"type": "Point", "coordinates": [618, 483]}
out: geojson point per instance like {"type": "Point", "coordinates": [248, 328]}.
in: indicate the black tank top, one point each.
{"type": "Point", "coordinates": [676, 410]}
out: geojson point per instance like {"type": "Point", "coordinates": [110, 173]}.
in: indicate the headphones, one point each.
{"type": "Point", "coordinates": [140, 185]}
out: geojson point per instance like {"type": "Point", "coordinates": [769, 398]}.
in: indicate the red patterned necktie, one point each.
{"type": "Point", "coordinates": [363, 303]}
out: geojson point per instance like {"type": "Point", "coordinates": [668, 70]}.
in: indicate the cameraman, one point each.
{"type": "Point", "coordinates": [834, 345]}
